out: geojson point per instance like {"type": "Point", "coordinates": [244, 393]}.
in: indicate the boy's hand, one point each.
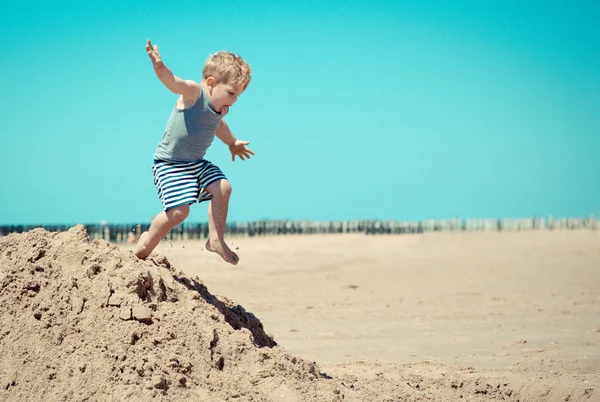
{"type": "Point", "coordinates": [239, 149]}
{"type": "Point", "coordinates": [154, 55]}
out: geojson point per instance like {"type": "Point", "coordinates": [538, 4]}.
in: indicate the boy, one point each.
{"type": "Point", "coordinates": [181, 174]}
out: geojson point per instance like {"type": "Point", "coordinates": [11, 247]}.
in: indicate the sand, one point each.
{"type": "Point", "coordinates": [85, 321]}
{"type": "Point", "coordinates": [433, 317]}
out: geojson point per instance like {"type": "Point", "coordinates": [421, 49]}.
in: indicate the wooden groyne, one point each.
{"type": "Point", "coordinates": [118, 233]}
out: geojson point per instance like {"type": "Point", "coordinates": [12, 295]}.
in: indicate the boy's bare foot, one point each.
{"type": "Point", "coordinates": [140, 249]}
{"type": "Point", "coordinates": [223, 250]}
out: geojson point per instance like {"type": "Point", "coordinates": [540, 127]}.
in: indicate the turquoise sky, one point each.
{"type": "Point", "coordinates": [357, 109]}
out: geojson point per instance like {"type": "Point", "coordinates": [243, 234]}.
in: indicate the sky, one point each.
{"type": "Point", "coordinates": [407, 110]}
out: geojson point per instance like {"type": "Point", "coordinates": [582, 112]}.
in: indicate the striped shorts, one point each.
{"type": "Point", "coordinates": [181, 183]}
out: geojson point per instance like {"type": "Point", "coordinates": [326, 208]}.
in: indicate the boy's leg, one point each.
{"type": "Point", "coordinates": [161, 225]}
{"type": "Point", "coordinates": [217, 217]}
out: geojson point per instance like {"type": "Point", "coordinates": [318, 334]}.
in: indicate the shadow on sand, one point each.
{"type": "Point", "coordinates": [235, 315]}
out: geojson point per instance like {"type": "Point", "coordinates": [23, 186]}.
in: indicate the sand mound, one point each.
{"type": "Point", "coordinates": [85, 320]}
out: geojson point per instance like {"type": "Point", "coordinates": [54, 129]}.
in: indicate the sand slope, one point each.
{"type": "Point", "coordinates": [84, 320]}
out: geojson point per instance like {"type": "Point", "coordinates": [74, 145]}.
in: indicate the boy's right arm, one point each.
{"type": "Point", "coordinates": [187, 88]}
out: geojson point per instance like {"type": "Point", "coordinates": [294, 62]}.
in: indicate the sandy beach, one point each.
{"type": "Point", "coordinates": [509, 316]}
{"type": "Point", "coordinates": [441, 316]}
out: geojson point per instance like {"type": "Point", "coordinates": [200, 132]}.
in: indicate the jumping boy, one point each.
{"type": "Point", "coordinates": [181, 174]}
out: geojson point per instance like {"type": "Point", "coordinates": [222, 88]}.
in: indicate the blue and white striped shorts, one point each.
{"type": "Point", "coordinates": [181, 183]}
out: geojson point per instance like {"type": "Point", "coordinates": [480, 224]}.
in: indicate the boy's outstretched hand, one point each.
{"type": "Point", "coordinates": [239, 149]}
{"type": "Point", "coordinates": [154, 55]}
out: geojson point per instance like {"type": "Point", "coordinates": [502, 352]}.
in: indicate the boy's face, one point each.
{"type": "Point", "coordinates": [223, 96]}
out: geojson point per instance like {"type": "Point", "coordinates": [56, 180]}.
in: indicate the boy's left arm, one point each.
{"type": "Point", "coordinates": [237, 147]}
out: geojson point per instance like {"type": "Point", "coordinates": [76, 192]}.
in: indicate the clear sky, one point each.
{"type": "Point", "coordinates": [357, 109]}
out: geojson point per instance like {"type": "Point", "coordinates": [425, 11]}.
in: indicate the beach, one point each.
{"type": "Point", "coordinates": [443, 316]}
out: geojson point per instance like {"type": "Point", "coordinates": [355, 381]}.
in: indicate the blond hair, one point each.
{"type": "Point", "coordinates": [227, 68]}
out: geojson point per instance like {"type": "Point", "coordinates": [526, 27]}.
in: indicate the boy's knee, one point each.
{"type": "Point", "coordinates": [226, 188]}
{"type": "Point", "coordinates": [179, 214]}
{"type": "Point", "coordinates": [221, 188]}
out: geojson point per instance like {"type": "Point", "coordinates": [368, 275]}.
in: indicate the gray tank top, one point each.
{"type": "Point", "coordinates": [189, 132]}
